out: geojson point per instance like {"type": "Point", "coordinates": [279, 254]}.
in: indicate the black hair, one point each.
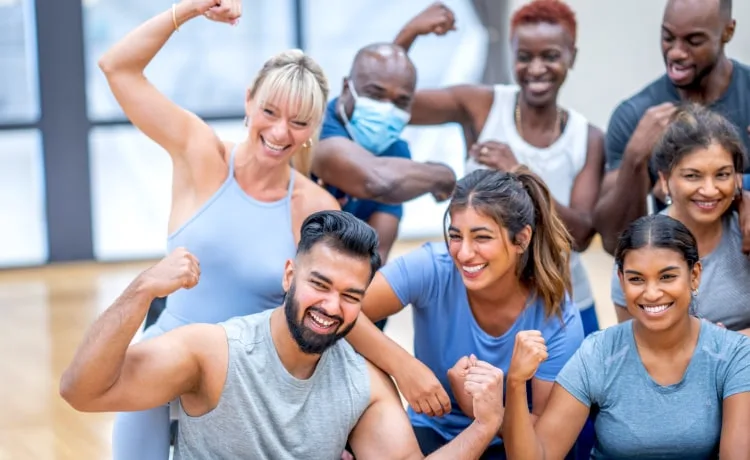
{"type": "Point", "coordinates": [343, 232]}
{"type": "Point", "coordinates": [515, 200]}
{"type": "Point", "coordinates": [695, 127]}
{"type": "Point", "coordinates": [657, 231]}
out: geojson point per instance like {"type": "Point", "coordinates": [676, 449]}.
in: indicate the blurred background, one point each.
{"type": "Point", "coordinates": [84, 197]}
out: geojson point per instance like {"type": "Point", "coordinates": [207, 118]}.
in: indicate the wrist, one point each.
{"type": "Point", "coordinates": [182, 12]}
{"type": "Point", "coordinates": [142, 289]}
{"type": "Point", "coordinates": [513, 383]}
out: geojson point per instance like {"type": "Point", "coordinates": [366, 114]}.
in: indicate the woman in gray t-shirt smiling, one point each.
{"type": "Point", "coordinates": [700, 159]}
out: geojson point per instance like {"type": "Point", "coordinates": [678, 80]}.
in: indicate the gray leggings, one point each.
{"type": "Point", "coordinates": [142, 435]}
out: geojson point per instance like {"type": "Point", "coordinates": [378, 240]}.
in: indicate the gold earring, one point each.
{"type": "Point", "coordinates": [308, 143]}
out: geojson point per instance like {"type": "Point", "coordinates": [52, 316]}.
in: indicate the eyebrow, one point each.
{"type": "Point", "coordinates": [472, 230]}
{"type": "Point", "coordinates": [327, 280]}
{"type": "Point", "coordinates": [695, 170]}
{"type": "Point", "coordinates": [663, 270]}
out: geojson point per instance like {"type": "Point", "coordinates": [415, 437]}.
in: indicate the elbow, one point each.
{"type": "Point", "coordinates": [583, 237]}
{"type": "Point", "coordinates": [69, 393]}
{"type": "Point", "coordinates": [378, 189]}
{"type": "Point", "coordinates": [107, 65]}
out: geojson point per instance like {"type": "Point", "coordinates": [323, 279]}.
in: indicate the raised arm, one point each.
{"type": "Point", "coordinates": [179, 132]}
{"type": "Point", "coordinates": [436, 18]}
{"type": "Point", "coordinates": [342, 163]}
{"type": "Point", "coordinates": [627, 185]}
{"type": "Point", "coordinates": [552, 435]}
{"type": "Point", "coordinates": [384, 430]}
{"type": "Point", "coordinates": [108, 375]}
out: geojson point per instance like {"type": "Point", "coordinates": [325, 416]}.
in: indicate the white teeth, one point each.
{"type": "Point", "coordinates": [320, 320]}
{"type": "Point", "coordinates": [271, 146]}
{"type": "Point", "coordinates": [473, 268]}
{"type": "Point", "coordinates": [707, 204]}
{"type": "Point", "coordinates": [653, 309]}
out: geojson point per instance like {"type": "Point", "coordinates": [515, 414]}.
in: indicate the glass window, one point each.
{"type": "Point", "coordinates": [131, 190]}
{"type": "Point", "coordinates": [206, 67]}
{"type": "Point", "coordinates": [19, 99]}
{"type": "Point", "coordinates": [23, 233]}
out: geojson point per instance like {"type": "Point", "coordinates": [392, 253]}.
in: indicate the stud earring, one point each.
{"type": "Point", "coordinates": [668, 200]}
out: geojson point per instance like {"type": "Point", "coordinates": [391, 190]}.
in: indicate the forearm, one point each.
{"type": "Point", "coordinates": [470, 444]}
{"type": "Point", "coordinates": [579, 225]}
{"type": "Point", "coordinates": [375, 346]}
{"type": "Point", "coordinates": [405, 38]}
{"type": "Point", "coordinates": [138, 48]}
{"type": "Point", "coordinates": [412, 179]}
{"type": "Point", "coordinates": [623, 203]}
{"type": "Point", "coordinates": [518, 424]}
{"type": "Point", "coordinates": [99, 360]}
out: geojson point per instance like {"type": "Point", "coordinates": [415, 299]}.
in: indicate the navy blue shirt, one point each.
{"type": "Point", "coordinates": [363, 209]}
{"type": "Point", "coordinates": [734, 104]}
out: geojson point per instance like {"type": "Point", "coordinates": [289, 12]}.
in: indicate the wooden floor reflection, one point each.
{"type": "Point", "coordinates": [45, 313]}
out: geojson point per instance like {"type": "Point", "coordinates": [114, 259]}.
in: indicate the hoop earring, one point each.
{"type": "Point", "coordinates": [308, 143]}
{"type": "Point", "coordinates": [245, 121]}
{"type": "Point", "coordinates": [668, 200]}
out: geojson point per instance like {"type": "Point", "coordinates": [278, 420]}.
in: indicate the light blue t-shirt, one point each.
{"type": "Point", "coordinates": [638, 418]}
{"type": "Point", "coordinates": [445, 328]}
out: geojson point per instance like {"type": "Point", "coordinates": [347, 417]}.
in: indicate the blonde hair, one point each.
{"type": "Point", "coordinates": [296, 79]}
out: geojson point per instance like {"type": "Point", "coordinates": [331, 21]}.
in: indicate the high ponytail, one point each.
{"type": "Point", "coordinates": [517, 200]}
{"type": "Point", "coordinates": [547, 262]}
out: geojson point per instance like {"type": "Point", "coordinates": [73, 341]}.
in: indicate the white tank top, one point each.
{"type": "Point", "coordinates": [558, 165]}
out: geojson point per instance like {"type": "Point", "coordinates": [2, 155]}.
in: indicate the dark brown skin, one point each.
{"type": "Point", "coordinates": [543, 53]}
{"type": "Point", "coordinates": [383, 72]}
{"type": "Point", "coordinates": [693, 36]}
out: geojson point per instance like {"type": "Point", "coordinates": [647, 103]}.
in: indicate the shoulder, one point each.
{"type": "Point", "coordinates": [743, 72]}
{"type": "Point", "coordinates": [632, 109]}
{"type": "Point", "coordinates": [245, 329]}
{"type": "Point", "coordinates": [332, 126]}
{"type": "Point", "coordinates": [723, 344]}
{"type": "Point", "coordinates": [382, 387]}
{"type": "Point", "coordinates": [309, 197]}
{"type": "Point", "coordinates": [595, 135]}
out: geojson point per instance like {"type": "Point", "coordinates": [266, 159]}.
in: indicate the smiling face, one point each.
{"type": "Point", "coordinates": [543, 54]}
{"type": "Point", "coordinates": [658, 286]}
{"type": "Point", "coordinates": [278, 129]}
{"type": "Point", "coordinates": [702, 184]}
{"type": "Point", "coordinates": [325, 289]}
{"type": "Point", "coordinates": [692, 40]}
{"type": "Point", "coordinates": [482, 249]}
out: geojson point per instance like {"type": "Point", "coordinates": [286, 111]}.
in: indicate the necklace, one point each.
{"type": "Point", "coordinates": [560, 120]}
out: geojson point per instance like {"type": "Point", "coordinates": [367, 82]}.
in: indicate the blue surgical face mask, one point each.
{"type": "Point", "coordinates": [375, 125]}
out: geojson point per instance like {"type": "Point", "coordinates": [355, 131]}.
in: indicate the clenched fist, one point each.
{"type": "Point", "coordinates": [180, 269]}
{"type": "Point", "coordinates": [529, 352]}
{"type": "Point", "coordinates": [228, 11]}
{"type": "Point", "coordinates": [484, 382]}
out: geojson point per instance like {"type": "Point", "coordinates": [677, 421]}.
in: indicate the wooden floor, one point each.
{"type": "Point", "coordinates": [45, 313]}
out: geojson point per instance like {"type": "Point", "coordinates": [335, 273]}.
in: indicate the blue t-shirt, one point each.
{"type": "Point", "coordinates": [445, 328]}
{"type": "Point", "coordinates": [363, 209]}
{"type": "Point", "coordinates": [638, 418]}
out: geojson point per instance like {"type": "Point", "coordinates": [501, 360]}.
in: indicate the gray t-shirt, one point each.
{"type": "Point", "coordinates": [638, 418]}
{"type": "Point", "coordinates": [266, 413]}
{"type": "Point", "coordinates": [724, 292]}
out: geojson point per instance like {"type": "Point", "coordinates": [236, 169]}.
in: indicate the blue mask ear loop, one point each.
{"type": "Point", "coordinates": [342, 112]}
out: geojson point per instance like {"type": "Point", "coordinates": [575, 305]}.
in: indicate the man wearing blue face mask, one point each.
{"type": "Point", "coordinates": [361, 158]}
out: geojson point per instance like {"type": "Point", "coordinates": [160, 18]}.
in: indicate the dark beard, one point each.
{"type": "Point", "coordinates": [308, 341]}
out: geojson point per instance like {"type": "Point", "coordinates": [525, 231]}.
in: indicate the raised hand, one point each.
{"type": "Point", "coordinates": [180, 269]}
{"type": "Point", "coordinates": [227, 11]}
{"type": "Point", "coordinates": [484, 382]}
{"type": "Point", "coordinates": [649, 129]}
{"type": "Point", "coordinates": [436, 18]}
{"type": "Point", "coordinates": [495, 155]}
{"type": "Point", "coordinates": [529, 352]}
{"type": "Point", "coordinates": [457, 379]}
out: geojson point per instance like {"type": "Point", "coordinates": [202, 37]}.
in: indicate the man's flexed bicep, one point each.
{"type": "Point", "coordinates": [184, 362]}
